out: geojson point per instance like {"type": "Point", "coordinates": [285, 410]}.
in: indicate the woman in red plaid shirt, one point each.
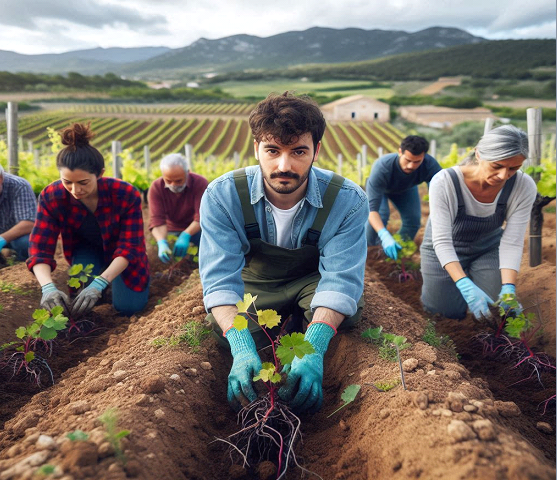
{"type": "Point", "coordinates": [101, 223]}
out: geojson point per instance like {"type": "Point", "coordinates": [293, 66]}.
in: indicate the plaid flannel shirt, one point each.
{"type": "Point", "coordinates": [120, 220]}
{"type": "Point", "coordinates": [17, 202]}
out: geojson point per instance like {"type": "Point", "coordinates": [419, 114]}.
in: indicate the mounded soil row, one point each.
{"type": "Point", "coordinates": [446, 425]}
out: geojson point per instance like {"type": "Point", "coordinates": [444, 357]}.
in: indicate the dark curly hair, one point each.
{"type": "Point", "coordinates": [78, 152]}
{"type": "Point", "coordinates": [286, 117]}
{"type": "Point", "coordinates": [414, 144]}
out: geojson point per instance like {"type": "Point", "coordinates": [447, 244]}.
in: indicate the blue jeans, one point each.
{"type": "Point", "coordinates": [21, 247]}
{"type": "Point", "coordinates": [124, 299]}
{"type": "Point", "coordinates": [408, 205]}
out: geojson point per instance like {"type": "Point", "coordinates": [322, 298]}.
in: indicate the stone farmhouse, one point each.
{"type": "Point", "coordinates": [357, 108]}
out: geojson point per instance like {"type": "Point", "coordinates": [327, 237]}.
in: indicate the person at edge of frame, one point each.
{"type": "Point", "coordinates": [174, 199]}
{"type": "Point", "coordinates": [396, 177]}
{"type": "Point", "coordinates": [467, 258]}
{"type": "Point", "coordinates": [18, 207]}
{"type": "Point", "coordinates": [290, 233]}
{"type": "Point", "coordinates": [101, 223]}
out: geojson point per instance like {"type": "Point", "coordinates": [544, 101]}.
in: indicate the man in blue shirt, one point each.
{"type": "Point", "coordinates": [18, 208]}
{"type": "Point", "coordinates": [396, 177]}
{"type": "Point", "coordinates": [291, 233]}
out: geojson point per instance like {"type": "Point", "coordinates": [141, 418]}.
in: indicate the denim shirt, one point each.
{"type": "Point", "coordinates": [342, 244]}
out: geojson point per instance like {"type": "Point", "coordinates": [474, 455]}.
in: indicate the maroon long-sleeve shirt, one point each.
{"type": "Point", "coordinates": [176, 210]}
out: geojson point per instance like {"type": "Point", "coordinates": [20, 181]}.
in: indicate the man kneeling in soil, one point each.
{"type": "Point", "coordinates": [290, 233]}
{"type": "Point", "coordinates": [18, 207]}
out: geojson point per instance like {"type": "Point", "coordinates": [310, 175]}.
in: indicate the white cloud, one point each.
{"type": "Point", "coordinates": [56, 26]}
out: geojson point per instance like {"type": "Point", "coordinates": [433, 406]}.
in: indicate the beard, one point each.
{"type": "Point", "coordinates": [273, 181]}
{"type": "Point", "coordinates": [176, 189]}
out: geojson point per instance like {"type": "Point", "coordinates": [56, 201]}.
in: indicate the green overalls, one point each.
{"type": "Point", "coordinates": [284, 280]}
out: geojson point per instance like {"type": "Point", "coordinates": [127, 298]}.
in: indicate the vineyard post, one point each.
{"type": "Point", "coordinates": [534, 119]}
{"type": "Point", "coordinates": [364, 156]}
{"type": "Point", "coordinates": [339, 163]}
{"type": "Point", "coordinates": [20, 144]}
{"type": "Point", "coordinates": [379, 152]}
{"type": "Point", "coordinates": [116, 159]}
{"type": "Point", "coordinates": [488, 125]}
{"type": "Point", "coordinates": [29, 146]}
{"type": "Point", "coordinates": [189, 156]}
{"type": "Point", "coordinates": [433, 148]}
{"type": "Point", "coordinates": [359, 166]}
{"type": "Point", "coordinates": [11, 120]}
{"type": "Point", "coordinates": [236, 157]}
{"type": "Point", "coordinates": [37, 157]}
{"type": "Point", "coordinates": [147, 158]}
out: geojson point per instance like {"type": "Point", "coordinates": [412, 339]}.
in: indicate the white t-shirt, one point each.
{"type": "Point", "coordinates": [284, 220]}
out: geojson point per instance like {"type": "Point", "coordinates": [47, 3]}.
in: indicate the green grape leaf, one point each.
{"type": "Point", "coordinates": [74, 282]}
{"type": "Point", "coordinates": [89, 268]}
{"type": "Point", "coordinates": [83, 278]}
{"type": "Point", "coordinates": [40, 315]}
{"type": "Point", "coordinates": [29, 356]}
{"type": "Point", "coordinates": [196, 259]}
{"type": "Point", "coordinates": [47, 333]}
{"type": "Point", "coordinates": [350, 393]}
{"type": "Point", "coordinates": [293, 345]}
{"type": "Point", "coordinates": [33, 329]}
{"type": "Point", "coordinates": [49, 323]}
{"type": "Point", "coordinates": [20, 332]}
{"type": "Point", "coordinates": [75, 269]}
{"type": "Point", "coordinates": [266, 373]}
{"type": "Point", "coordinates": [372, 333]}
{"type": "Point", "coordinates": [60, 322]}
{"type": "Point", "coordinates": [122, 434]}
{"type": "Point", "coordinates": [193, 250]}
{"type": "Point", "coordinates": [515, 326]}
{"type": "Point", "coordinates": [240, 322]}
{"type": "Point", "coordinates": [268, 318]}
{"type": "Point", "coordinates": [57, 310]}
{"type": "Point", "coordinates": [245, 304]}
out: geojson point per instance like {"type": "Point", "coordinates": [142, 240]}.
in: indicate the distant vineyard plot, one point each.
{"type": "Point", "coordinates": [219, 136]}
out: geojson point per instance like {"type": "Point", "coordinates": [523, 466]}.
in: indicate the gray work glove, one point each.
{"type": "Point", "coordinates": [88, 297]}
{"type": "Point", "coordinates": [52, 297]}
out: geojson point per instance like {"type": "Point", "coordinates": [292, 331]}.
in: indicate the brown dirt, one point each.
{"type": "Point", "coordinates": [174, 404]}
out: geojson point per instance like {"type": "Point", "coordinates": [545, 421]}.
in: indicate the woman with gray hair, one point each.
{"type": "Point", "coordinates": [466, 255]}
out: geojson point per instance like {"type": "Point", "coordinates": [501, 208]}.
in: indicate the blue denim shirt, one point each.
{"type": "Point", "coordinates": [342, 245]}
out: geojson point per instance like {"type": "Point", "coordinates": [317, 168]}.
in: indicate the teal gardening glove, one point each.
{"type": "Point", "coordinates": [308, 371]}
{"type": "Point", "coordinates": [164, 251]}
{"type": "Point", "coordinates": [52, 297]}
{"type": "Point", "coordinates": [390, 246]}
{"type": "Point", "coordinates": [182, 244]}
{"type": "Point", "coordinates": [88, 297]}
{"type": "Point", "coordinates": [3, 242]}
{"type": "Point", "coordinates": [246, 364]}
{"type": "Point", "coordinates": [478, 301]}
{"type": "Point", "coordinates": [509, 289]}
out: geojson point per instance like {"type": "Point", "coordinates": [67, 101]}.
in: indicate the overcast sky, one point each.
{"type": "Point", "coordinates": [54, 26]}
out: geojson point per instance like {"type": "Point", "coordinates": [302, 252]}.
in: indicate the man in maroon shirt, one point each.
{"type": "Point", "coordinates": [174, 202]}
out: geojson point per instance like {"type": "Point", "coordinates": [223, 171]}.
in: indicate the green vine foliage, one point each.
{"type": "Point", "coordinates": [547, 184]}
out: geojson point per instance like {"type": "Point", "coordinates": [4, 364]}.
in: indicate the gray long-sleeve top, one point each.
{"type": "Point", "coordinates": [443, 206]}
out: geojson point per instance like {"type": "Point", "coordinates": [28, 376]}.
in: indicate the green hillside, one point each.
{"type": "Point", "coordinates": [494, 59]}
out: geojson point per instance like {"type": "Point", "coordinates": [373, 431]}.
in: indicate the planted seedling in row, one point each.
{"type": "Point", "coordinates": [36, 337]}
{"type": "Point", "coordinates": [405, 268]}
{"type": "Point", "coordinates": [513, 338]}
{"type": "Point", "coordinates": [177, 263]}
{"type": "Point", "coordinates": [347, 397]}
{"type": "Point", "coordinates": [109, 419]}
{"type": "Point", "coordinates": [79, 277]}
{"type": "Point", "coordinates": [390, 346]}
{"type": "Point", "coordinates": [269, 427]}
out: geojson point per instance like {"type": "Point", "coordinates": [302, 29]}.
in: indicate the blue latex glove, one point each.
{"type": "Point", "coordinates": [88, 297]}
{"type": "Point", "coordinates": [390, 246]}
{"type": "Point", "coordinates": [478, 301]}
{"type": "Point", "coordinates": [303, 389]}
{"type": "Point", "coordinates": [52, 297]}
{"type": "Point", "coordinates": [3, 242]}
{"type": "Point", "coordinates": [509, 289]}
{"type": "Point", "coordinates": [164, 251]}
{"type": "Point", "coordinates": [182, 244]}
{"type": "Point", "coordinates": [246, 364]}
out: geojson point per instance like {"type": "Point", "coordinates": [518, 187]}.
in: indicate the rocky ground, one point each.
{"type": "Point", "coordinates": [454, 421]}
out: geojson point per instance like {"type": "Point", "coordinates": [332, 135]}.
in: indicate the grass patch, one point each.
{"type": "Point", "coordinates": [192, 334]}
{"type": "Point", "coordinates": [431, 337]}
{"type": "Point", "coordinates": [6, 287]}
{"type": "Point", "coordinates": [386, 385]}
